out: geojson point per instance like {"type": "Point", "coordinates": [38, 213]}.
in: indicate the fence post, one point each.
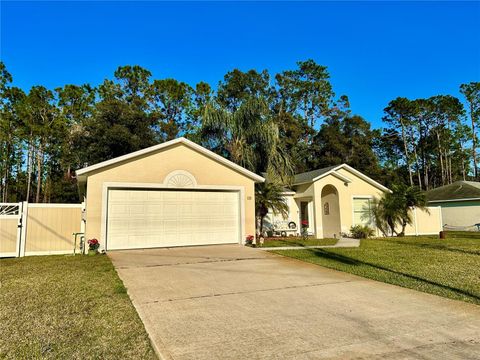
{"type": "Point", "coordinates": [440, 215]}
{"type": "Point", "coordinates": [415, 219]}
{"type": "Point", "coordinates": [23, 232]}
{"type": "Point", "coordinates": [19, 229]}
{"type": "Point", "coordinates": [82, 227]}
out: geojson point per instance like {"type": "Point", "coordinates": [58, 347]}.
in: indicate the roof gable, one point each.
{"type": "Point", "coordinates": [459, 190]}
{"type": "Point", "coordinates": [83, 173]}
{"type": "Point", "coordinates": [318, 174]}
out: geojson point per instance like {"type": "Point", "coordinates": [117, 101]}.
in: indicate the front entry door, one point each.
{"type": "Point", "coordinates": [305, 216]}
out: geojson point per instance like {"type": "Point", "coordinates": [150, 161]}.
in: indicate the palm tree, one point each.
{"type": "Point", "coordinates": [394, 209]}
{"type": "Point", "coordinates": [269, 196]}
{"type": "Point", "coordinates": [248, 135]}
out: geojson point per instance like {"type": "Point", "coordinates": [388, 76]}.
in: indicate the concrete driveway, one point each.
{"type": "Point", "coordinates": [232, 302]}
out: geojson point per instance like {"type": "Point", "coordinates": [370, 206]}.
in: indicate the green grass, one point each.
{"type": "Point", "coordinates": [297, 241]}
{"type": "Point", "coordinates": [448, 268]}
{"type": "Point", "coordinates": [65, 307]}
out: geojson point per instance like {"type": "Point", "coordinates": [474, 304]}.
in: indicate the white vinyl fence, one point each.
{"type": "Point", "coordinates": [40, 229]}
{"type": "Point", "coordinates": [425, 222]}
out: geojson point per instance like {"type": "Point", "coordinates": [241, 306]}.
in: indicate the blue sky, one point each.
{"type": "Point", "coordinates": [374, 51]}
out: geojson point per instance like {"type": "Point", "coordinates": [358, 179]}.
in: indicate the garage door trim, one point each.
{"type": "Point", "coordinates": [154, 186]}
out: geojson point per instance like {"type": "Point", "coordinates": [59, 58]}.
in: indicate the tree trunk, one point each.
{"type": "Point", "coordinates": [407, 157]}
{"type": "Point", "coordinates": [440, 157]}
{"type": "Point", "coordinates": [262, 217]}
{"type": "Point", "coordinates": [39, 172]}
{"type": "Point", "coordinates": [474, 142]}
{"type": "Point", "coordinates": [418, 167]}
{"type": "Point", "coordinates": [29, 168]}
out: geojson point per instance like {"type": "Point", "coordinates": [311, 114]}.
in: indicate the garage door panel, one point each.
{"type": "Point", "coordinates": [158, 218]}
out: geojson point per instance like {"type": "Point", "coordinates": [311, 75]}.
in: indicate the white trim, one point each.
{"type": "Point", "coordinates": [164, 145]}
{"type": "Point", "coordinates": [8, 254]}
{"type": "Point", "coordinates": [421, 234]}
{"type": "Point", "coordinates": [416, 220]}
{"type": "Point", "coordinates": [286, 193]}
{"type": "Point", "coordinates": [23, 234]}
{"type": "Point", "coordinates": [37, 205]}
{"type": "Point", "coordinates": [112, 185]}
{"type": "Point", "coordinates": [19, 228]}
{"type": "Point", "coordinates": [453, 200]}
{"type": "Point", "coordinates": [441, 217]}
{"type": "Point", "coordinates": [353, 171]}
{"type": "Point", "coordinates": [364, 177]}
{"type": "Point", "coordinates": [345, 179]}
{"type": "Point", "coordinates": [83, 221]}
{"type": "Point", "coordinates": [10, 217]}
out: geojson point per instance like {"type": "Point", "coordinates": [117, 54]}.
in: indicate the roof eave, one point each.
{"type": "Point", "coordinates": [452, 200]}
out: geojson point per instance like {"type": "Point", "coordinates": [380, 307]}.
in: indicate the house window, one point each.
{"type": "Point", "coordinates": [362, 211]}
{"type": "Point", "coordinates": [326, 209]}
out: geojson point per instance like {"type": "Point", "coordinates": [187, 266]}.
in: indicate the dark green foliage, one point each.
{"type": "Point", "coordinates": [269, 196]}
{"type": "Point", "coordinates": [283, 124]}
{"type": "Point", "coordinates": [393, 212]}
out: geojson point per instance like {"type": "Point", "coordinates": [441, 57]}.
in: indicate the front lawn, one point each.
{"type": "Point", "coordinates": [448, 268]}
{"type": "Point", "coordinates": [297, 241]}
{"type": "Point", "coordinates": [66, 307]}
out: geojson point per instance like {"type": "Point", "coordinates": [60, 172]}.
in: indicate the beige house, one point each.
{"type": "Point", "coordinates": [173, 194]}
{"type": "Point", "coordinates": [181, 194]}
{"type": "Point", "coordinates": [330, 200]}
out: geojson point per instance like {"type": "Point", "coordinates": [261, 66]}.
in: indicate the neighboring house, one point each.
{"type": "Point", "coordinates": [330, 200]}
{"type": "Point", "coordinates": [460, 203]}
{"type": "Point", "coordinates": [173, 194]}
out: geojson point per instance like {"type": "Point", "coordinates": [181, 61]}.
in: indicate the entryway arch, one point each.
{"type": "Point", "coordinates": [330, 212]}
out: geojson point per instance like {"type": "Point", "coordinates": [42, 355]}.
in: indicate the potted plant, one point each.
{"type": "Point", "coordinates": [249, 240]}
{"type": "Point", "coordinates": [305, 229]}
{"type": "Point", "coordinates": [93, 246]}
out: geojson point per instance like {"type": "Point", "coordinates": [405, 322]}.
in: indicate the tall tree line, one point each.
{"type": "Point", "coordinates": [282, 124]}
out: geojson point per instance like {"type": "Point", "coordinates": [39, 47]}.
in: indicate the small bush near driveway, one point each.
{"type": "Point", "coordinates": [66, 307]}
{"type": "Point", "coordinates": [448, 268]}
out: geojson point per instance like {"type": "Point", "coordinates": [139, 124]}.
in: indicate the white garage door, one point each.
{"type": "Point", "coordinates": [159, 218]}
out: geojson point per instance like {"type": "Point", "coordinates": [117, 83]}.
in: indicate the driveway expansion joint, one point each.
{"type": "Point", "coordinates": [249, 292]}
{"type": "Point", "coordinates": [191, 263]}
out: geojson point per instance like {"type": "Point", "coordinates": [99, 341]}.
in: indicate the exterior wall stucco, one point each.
{"type": "Point", "coordinates": [153, 168]}
{"type": "Point", "coordinates": [346, 193]}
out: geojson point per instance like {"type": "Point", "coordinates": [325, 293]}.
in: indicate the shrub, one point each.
{"type": "Point", "coordinates": [361, 231]}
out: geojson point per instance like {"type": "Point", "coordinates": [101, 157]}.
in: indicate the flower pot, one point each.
{"type": "Point", "coordinates": [92, 252]}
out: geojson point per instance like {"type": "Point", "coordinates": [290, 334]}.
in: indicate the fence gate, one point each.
{"type": "Point", "coordinates": [10, 229]}
{"type": "Point", "coordinates": [39, 229]}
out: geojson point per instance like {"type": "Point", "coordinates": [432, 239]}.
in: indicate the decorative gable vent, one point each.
{"type": "Point", "coordinates": [180, 179]}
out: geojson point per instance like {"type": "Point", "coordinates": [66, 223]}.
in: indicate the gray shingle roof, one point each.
{"type": "Point", "coordinates": [310, 175]}
{"type": "Point", "coordinates": [457, 190]}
